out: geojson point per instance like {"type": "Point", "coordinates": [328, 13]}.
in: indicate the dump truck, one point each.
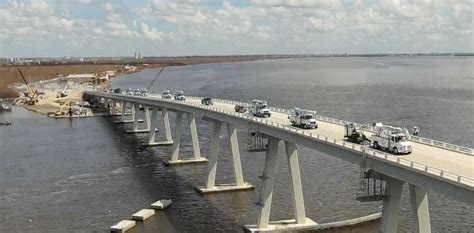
{"type": "Point", "coordinates": [391, 139]}
{"type": "Point", "coordinates": [207, 101]}
{"type": "Point", "coordinates": [179, 95]}
{"type": "Point", "coordinates": [305, 119]}
{"type": "Point", "coordinates": [259, 108]}
{"type": "Point", "coordinates": [354, 133]}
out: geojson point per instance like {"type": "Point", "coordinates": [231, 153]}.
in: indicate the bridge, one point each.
{"type": "Point", "coordinates": [432, 166]}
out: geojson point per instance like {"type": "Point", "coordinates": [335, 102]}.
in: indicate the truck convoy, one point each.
{"type": "Point", "coordinates": [305, 119]}
{"type": "Point", "coordinates": [259, 108]}
{"type": "Point", "coordinates": [179, 95]}
{"type": "Point", "coordinates": [354, 133]}
{"type": "Point", "coordinates": [391, 139]}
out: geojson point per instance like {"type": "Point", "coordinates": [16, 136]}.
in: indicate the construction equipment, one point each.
{"type": "Point", "coordinates": [32, 94]}
{"type": "Point", "coordinates": [207, 101]}
{"type": "Point", "coordinates": [166, 94]}
{"type": "Point", "coordinates": [63, 93]}
{"type": "Point", "coordinates": [259, 108]}
{"type": "Point", "coordinates": [354, 133]}
{"type": "Point", "coordinates": [305, 119]}
{"type": "Point", "coordinates": [240, 108]}
{"type": "Point", "coordinates": [154, 79]}
{"type": "Point", "coordinates": [391, 139]}
{"type": "Point", "coordinates": [179, 95]}
{"type": "Point", "coordinates": [5, 108]}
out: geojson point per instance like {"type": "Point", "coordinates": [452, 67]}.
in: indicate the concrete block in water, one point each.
{"type": "Point", "coordinates": [143, 214]}
{"type": "Point", "coordinates": [122, 226]}
{"type": "Point", "coordinates": [161, 204]}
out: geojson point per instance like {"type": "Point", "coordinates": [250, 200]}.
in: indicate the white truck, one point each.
{"type": "Point", "coordinates": [179, 95]}
{"type": "Point", "coordinates": [391, 139]}
{"type": "Point", "coordinates": [259, 108]}
{"type": "Point", "coordinates": [305, 119]}
{"type": "Point", "coordinates": [166, 94]}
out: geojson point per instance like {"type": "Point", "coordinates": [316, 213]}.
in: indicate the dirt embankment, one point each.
{"type": "Point", "coordinates": [9, 74]}
{"type": "Point", "coordinates": [45, 71]}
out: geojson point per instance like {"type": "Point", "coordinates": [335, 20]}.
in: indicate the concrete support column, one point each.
{"type": "Point", "coordinates": [212, 166]}
{"type": "Point", "coordinates": [177, 136]}
{"type": "Point", "coordinates": [420, 210]}
{"type": "Point", "coordinates": [194, 136]}
{"type": "Point", "coordinates": [147, 118]}
{"type": "Point", "coordinates": [124, 111]}
{"type": "Point", "coordinates": [268, 182]}
{"type": "Point", "coordinates": [234, 149]}
{"type": "Point", "coordinates": [104, 102]}
{"type": "Point", "coordinates": [177, 141]}
{"type": "Point", "coordinates": [391, 205]}
{"type": "Point", "coordinates": [113, 107]}
{"type": "Point", "coordinates": [297, 189]}
{"type": "Point", "coordinates": [135, 116]}
{"type": "Point", "coordinates": [151, 133]}
{"type": "Point", "coordinates": [300, 222]}
{"type": "Point", "coordinates": [166, 123]}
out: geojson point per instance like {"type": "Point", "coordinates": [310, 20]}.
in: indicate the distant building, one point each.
{"type": "Point", "coordinates": [138, 55]}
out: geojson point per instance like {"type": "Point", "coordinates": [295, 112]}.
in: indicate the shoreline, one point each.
{"type": "Point", "coordinates": [48, 71]}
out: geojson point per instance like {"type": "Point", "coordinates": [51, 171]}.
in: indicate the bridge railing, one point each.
{"type": "Point", "coordinates": [415, 166]}
{"type": "Point", "coordinates": [411, 165]}
{"type": "Point", "coordinates": [426, 141]}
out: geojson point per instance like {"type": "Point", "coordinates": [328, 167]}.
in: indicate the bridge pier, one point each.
{"type": "Point", "coordinates": [391, 205]}
{"type": "Point", "coordinates": [263, 222]}
{"type": "Point", "coordinates": [123, 118]}
{"type": "Point", "coordinates": [420, 210]}
{"type": "Point", "coordinates": [113, 108]}
{"type": "Point", "coordinates": [212, 166]}
{"type": "Point", "coordinates": [194, 138]}
{"type": "Point", "coordinates": [152, 133]}
{"type": "Point", "coordinates": [147, 128]}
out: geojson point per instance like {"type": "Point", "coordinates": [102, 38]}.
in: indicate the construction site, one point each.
{"type": "Point", "coordinates": [61, 97]}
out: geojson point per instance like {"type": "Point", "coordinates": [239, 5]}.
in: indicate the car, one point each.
{"type": "Point", "coordinates": [207, 101]}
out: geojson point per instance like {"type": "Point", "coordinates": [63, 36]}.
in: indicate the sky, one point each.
{"type": "Point", "coordinates": [56, 28]}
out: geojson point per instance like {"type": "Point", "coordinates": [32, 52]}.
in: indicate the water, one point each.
{"type": "Point", "coordinates": [84, 175]}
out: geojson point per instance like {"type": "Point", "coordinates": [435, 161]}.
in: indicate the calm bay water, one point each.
{"type": "Point", "coordinates": [84, 175]}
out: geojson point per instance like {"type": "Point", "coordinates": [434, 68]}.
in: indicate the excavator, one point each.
{"type": "Point", "coordinates": [32, 94]}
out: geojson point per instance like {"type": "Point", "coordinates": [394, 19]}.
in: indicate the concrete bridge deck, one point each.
{"type": "Point", "coordinates": [442, 167]}
{"type": "Point", "coordinates": [446, 160]}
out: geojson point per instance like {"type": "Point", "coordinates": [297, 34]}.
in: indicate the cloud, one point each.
{"type": "Point", "coordinates": [151, 33]}
{"type": "Point", "coordinates": [252, 26]}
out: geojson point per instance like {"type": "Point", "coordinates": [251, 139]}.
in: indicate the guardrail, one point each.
{"type": "Point", "coordinates": [411, 165]}
{"type": "Point", "coordinates": [421, 168]}
{"type": "Point", "coordinates": [426, 141]}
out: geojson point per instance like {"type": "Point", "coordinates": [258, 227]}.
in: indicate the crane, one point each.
{"type": "Point", "coordinates": [154, 79]}
{"type": "Point", "coordinates": [32, 94]}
